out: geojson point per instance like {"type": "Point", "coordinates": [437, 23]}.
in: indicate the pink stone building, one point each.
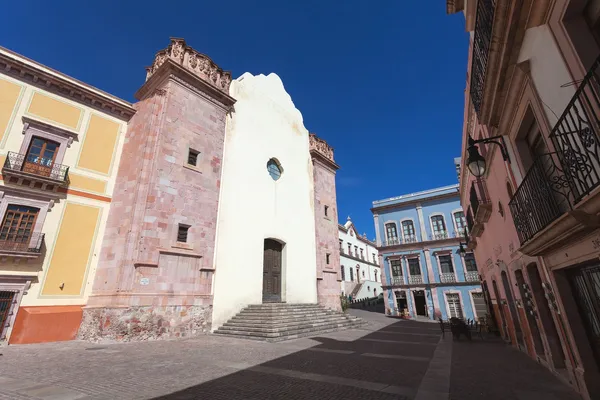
{"type": "Point", "coordinates": [531, 193]}
{"type": "Point", "coordinates": [222, 200]}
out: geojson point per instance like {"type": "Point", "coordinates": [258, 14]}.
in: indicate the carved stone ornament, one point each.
{"type": "Point", "coordinates": [321, 146]}
{"type": "Point", "coordinates": [197, 63]}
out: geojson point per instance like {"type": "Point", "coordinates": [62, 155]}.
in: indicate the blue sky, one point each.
{"type": "Point", "coordinates": [382, 81]}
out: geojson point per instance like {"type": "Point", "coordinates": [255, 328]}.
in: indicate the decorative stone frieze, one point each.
{"type": "Point", "coordinates": [321, 146]}
{"type": "Point", "coordinates": [197, 63]}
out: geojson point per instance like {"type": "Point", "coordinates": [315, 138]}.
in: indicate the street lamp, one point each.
{"type": "Point", "coordinates": [461, 249]}
{"type": "Point", "coordinates": [475, 161]}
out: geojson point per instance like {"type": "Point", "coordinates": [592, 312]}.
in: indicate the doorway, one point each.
{"type": "Point", "coordinates": [533, 326]}
{"type": "Point", "coordinates": [556, 351]}
{"type": "Point", "coordinates": [272, 271]}
{"type": "Point", "coordinates": [401, 302]}
{"type": "Point", "coordinates": [420, 304]}
{"type": "Point", "coordinates": [511, 307]}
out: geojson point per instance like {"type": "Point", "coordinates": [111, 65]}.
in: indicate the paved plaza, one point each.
{"type": "Point", "coordinates": [386, 359]}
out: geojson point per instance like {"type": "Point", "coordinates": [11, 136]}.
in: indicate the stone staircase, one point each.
{"type": "Point", "coordinates": [274, 322]}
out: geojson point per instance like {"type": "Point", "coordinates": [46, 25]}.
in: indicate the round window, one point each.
{"type": "Point", "coordinates": [274, 169]}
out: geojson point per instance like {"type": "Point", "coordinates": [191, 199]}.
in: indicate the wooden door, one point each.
{"type": "Point", "coordinates": [40, 157]}
{"type": "Point", "coordinates": [272, 271]}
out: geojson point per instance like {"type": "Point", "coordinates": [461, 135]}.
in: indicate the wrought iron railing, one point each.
{"type": "Point", "coordinates": [439, 235]}
{"type": "Point", "coordinates": [415, 279]}
{"type": "Point", "coordinates": [557, 181]}
{"type": "Point", "coordinates": [542, 197]}
{"type": "Point", "coordinates": [447, 277]}
{"type": "Point", "coordinates": [410, 239]}
{"type": "Point", "coordinates": [472, 276]}
{"type": "Point", "coordinates": [478, 195]}
{"type": "Point", "coordinates": [470, 221]}
{"type": "Point", "coordinates": [481, 48]}
{"type": "Point", "coordinates": [19, 243]}
{"type": "Point", "coordinates": [392, 242]}
{"type": "Point", "coordinates": [397, 280]}
{"type": "Point", "coordinates": [36, 166]}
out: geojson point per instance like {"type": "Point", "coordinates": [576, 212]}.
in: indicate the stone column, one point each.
{"type": "Point", "coordinates": [421, 222]}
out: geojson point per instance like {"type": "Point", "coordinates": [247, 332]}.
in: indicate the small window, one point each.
{"type": "Point", "coordinates": [327, 258]}
{"type": "Point", "coordinates": [326, 210]}
{"type": "Point", "coordinates": [274, 169]}
{"type": "Point", "coordinates": [193, 157]}
{"type": "Point", "coordinates": [182, 233]}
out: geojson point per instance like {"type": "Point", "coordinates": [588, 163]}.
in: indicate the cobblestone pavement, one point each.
{"type": "Point", "coordinates": [387, 359]}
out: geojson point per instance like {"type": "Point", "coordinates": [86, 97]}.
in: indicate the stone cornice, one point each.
{"type": "Point", "coordinates": [170, 70]}
{"type": "Point", "coordinates": [198, 64]}
{"type": "Point", "coordinates": [430, 285]}
{"type": "Point", "coordinates": [31, 72]}
{"type": "Point", "coordinates": [415, 201]}
{"type": "Point", "coordinates": [318, 157]}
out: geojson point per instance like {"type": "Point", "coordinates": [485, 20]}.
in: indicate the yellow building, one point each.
{"type": "Point", "coordinates": [60, 145]}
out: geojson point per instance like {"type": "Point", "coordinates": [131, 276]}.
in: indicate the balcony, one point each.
{"type": "Point", "coordinates": [392, 242]}
{"type": "Point", "coordinates": [34, 172]}
{"type": "Point", "coordinates": [397, 280]}
{"type": "Point", "coordinates": [22, 246]}
{"type": "Point", "coordinates": [415, 279]}
{"type": "Point", "coordinates": [565, 181]}
{"type": "Point", "coordinates": [472, 276]}
{"type": "Point", "coordinates": [482, 41]}
{"type": "Point", "coordinates": [447, 277]}
{"type": "Point", "coordinates": [480, 207]}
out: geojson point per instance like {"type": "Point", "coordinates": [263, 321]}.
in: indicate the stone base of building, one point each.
{"type": "Point", "coordinates": [45, 324]}
{"type": "Point", "coordinates": [144, 323]}
{"type": "Point", "coordinates": [328, 292]}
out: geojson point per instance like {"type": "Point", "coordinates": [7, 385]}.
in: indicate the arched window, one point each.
{"type": "Point", "coordinates": [408, 231]}
{"type": "Point", "coordinates": [439, 227]}
{"type": "Point", "coordinates": [392, 233]}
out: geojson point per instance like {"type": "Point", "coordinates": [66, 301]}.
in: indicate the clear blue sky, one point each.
{"type": "Point", "coordinates": [382, 80]}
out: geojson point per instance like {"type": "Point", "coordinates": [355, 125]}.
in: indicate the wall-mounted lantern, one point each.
{"type": "Point", "coordinates": [475, 161]}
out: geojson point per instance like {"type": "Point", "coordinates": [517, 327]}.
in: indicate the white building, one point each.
{"type": "Point", "coordinates": [359, 258]}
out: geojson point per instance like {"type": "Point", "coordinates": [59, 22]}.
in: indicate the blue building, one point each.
{"type": "Point", "coordinates": [424, 273]}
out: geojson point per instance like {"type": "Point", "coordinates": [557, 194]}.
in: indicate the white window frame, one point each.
{"type": "Point", "coordinates": [437, 255]}
{"type": "Point", "coordinates": [460, 299]}
{"type": "Point", "coordinates": [385, 230]}
{"type": "Point", "coordinates": [471, 291]}
{"type": "Point", "coordinates": [393, 258]}
{"type": "Point", "coordinates": [435, 214]}
{"type": "Point", "coordinates": [414, 228]}
{"type": "Point", "coordinates": [454, 220]}
{"type": "Point", "coordinates": [413, 256]}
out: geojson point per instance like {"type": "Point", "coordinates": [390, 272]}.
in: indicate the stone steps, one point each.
{"type": "Point", "coordinates": [274, 322]}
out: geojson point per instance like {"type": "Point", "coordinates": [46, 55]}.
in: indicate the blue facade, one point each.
{"type": "Point", "coordinates": [424, 273]}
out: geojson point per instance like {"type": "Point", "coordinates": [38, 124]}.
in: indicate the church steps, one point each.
{"type": "Point", "coordinates": [270, 325]}
{"type": "Point", "coordinates": [281, 321]}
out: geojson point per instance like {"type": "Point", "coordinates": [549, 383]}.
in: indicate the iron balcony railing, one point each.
{"type": "Point", "coordinates": [481, 49]}
{"type": "Point", "coordinates": [414, 239]}
{"type": "Point", "coordinates": [558, 181]}
{"type": "Point", "coordinates": [478, 196]}
{"type": "Point", "coordinates": [392, 242]}
{"type": "Point", "coordinates": [37, 166]}
{"type": "Point", "coordinates": [415, 279]}
{"type": "Point", "coordinates": [447, 277]}
{"type": "Point", "coordinates": [472, 276]}
{"type": "Point", "coordinates": [21, 243]}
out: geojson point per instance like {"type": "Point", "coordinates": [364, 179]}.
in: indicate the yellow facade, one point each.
{"type": "Point", "coordinates": [10, 93]}
{"type": "Point", "coordinates": [53, 110]}
{"type": "Point", "coordinates": [99, 144]}
{"type": "Point", "coordinates": [71, 218]}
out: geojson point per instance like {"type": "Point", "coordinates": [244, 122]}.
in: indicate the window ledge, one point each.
{"type": "Point", "coordinates": [192, 168]}
{"type": "Point", "coordinates": [180, 251]}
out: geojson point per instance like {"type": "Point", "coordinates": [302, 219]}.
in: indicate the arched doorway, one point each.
{"type": "Point", "coordinates": [272, 271]}
{"type": "Point", "coordinates": [558, 356]}
{"type": "Point", "coordinates": [504, 329]}
{"type": "Point", "coordinates": [533, 326]}
{"type": "Point", "coordinates": [511, 307]}
{"type": "Point", "coordinates": [490, 306]}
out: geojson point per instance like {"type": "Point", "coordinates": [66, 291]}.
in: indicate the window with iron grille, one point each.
{"type": "Point", "coordinates": [439, 227]}
{"type": "Point", "coordinates": [182, 233]}
{"type": "Point", "coordinates": [396, 267]}
{"type": "Point", "coordinates": [470, 264]}
{"type": "Point", "coordinates": [408, 228]}
{"type": "Point", "coordinates": [18, 224]}
{"type": "Point", "coordinates": [414, 267]}
{"type": "Point", "coordinates": [446, 264]}
{"type": "Point", "coordinates": [193, 157]}
{"type": "Point", "coordinates": [392, 233]}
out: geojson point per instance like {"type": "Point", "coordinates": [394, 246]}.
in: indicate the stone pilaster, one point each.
{"type": "Point", "coordinates": [326, 225]}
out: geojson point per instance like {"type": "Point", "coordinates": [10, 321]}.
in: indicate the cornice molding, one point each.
{"type": "Point", "coordinates": [35, 74]}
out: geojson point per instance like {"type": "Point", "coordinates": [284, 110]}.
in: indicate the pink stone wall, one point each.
{"type": "Point", "coordinates": [141, 263]}
{"type": "Point", "coordinates": [327, 237]}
